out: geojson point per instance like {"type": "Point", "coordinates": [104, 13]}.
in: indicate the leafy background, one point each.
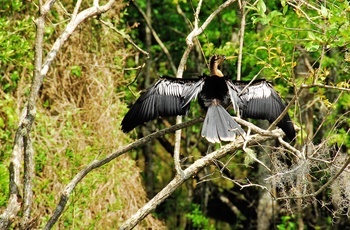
{"type": "Point", "coordinates": [88, 90]}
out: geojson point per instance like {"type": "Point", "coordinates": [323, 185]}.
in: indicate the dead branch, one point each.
{"type": "Point", "coordinates": [98, 163]}
{"type": "Point", "coordinates": [191, 171]}
{"type": "Point", "coordinates": [23, 146]}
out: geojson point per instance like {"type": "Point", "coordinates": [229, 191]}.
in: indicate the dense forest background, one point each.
{"type": "Point", "coordinates": [70, 69]}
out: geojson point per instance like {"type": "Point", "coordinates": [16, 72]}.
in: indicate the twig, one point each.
{"type": "Point", "coordinates": [156, 37]}
{"type": "Point", "coordinates": [251, 81]}
{"type": "Point", "coordinates": [305, 14]}
{"type": "Point", "coordinates": [304, 86]}
{"type": "Point", "coordinates": [125, 36]}
{"type": "Point", "coordinates": [285, 111]}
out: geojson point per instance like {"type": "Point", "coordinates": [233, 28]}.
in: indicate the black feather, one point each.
{"type": "Point", "coordinates": [172, 96]}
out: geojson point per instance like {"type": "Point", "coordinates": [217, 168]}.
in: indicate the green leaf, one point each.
{"type": "Point", "coordinates": [285, 9]}
{"type": "Point", "coordinates": [311, 35]}
{"type": "Point", "coordinates": [261, 6]}
{"type": "Point", "coordinates": [283, 3]}
{"type": "Point", "coordinates": [324, 12]}
{"type": "Point", "coordinates": [311, 47]}
{"type": "Point", "coordinates": [76, 70]}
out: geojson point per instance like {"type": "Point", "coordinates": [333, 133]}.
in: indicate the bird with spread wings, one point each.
{"type": "Point", "coordinates": [172, 96]}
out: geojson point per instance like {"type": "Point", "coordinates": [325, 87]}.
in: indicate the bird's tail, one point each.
{"type": "Point", "coordinates": [219, 125]}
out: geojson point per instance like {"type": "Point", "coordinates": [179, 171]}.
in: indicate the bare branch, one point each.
{"type": "Point", "coordinates": [244, 12]}
{"type": "Point", "coordinates": [72, 25]}
{"type": "Point", "coordinates": [241, 39]}
{"type": "Point", "coordinates": [98, 163]}
{"type": "Point", "coordinates": [125, 36]}
{"type": "Point", "coordinates": [28, 182]}
{"type": "Point", "coordinates": [189, 172]}
{"type": "Point", "coordinates": [76, 9]}
{"type": "Point", "coordinates": [325, 86]}
{"type": "Point", "coordinates": [179, 74]}
{"type": "Point", "coordinates": [23, 144]}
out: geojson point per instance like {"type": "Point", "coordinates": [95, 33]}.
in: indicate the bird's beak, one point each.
{"type": "Point", "coordinates": [230, 57]}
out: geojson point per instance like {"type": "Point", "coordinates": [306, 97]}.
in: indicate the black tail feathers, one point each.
{"type": "Point", "coordinates": [219, 125]}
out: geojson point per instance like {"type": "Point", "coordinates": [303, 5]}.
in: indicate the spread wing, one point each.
{"type": "Point", "coordinates": [167, 97]}
{"type": "Point", "coordinates": [259, 100]}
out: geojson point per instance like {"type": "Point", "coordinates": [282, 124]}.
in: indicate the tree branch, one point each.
{"type": "Point", "coordinates": [241, 39]}
{"type": "Point", "coordinates": [98, 163]}
{"type": "Point", "coordinates": [305, 86]}
{"type": "Point", "coordinates": [190, 172]}
{"type": "Point", "coordinates": [28, 181]}
{"type": "Point", "coordinates": [125, 36]}
{"type": "Point", "coordinates": [23, 144]}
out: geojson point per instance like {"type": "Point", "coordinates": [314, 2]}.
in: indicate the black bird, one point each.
{"type": "Point", "coordinates": [172, 96]}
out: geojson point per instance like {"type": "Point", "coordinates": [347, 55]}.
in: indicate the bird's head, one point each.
{"type": "Point", "coordinates": [214, 63]}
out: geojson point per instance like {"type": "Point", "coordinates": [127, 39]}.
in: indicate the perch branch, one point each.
{"type": "Point", "coordinates": [190, 172]}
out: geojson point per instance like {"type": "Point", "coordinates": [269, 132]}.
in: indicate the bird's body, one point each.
{"type": "Point", "coordinates": [214, 89]}
{"type": "Point", "coordinates": [172, 96]}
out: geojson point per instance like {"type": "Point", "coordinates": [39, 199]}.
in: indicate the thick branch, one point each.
{"type": "Point", "coordinates": [28, 181]}
{"type": "Point", "coordinates": [191, 171]}
{"type": "Point", "coordinates": [23, 144]}
{"type": "Point", "coordinates": [22, 136]}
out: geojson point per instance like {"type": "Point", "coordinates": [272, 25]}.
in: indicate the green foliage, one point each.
{"type": "Point", "coordinates": [276, 35]}
{"type": "Point", "coordinates": [199, 221]}
{"type": "Point", "coordinates": [288, 223]}
{"type": "Point", "coordinates": [76, 71]}
{"type": "Point", "coordinates": [4, 188]}
{"type": "Point", "coordinates": [8, 121]}
{"type": "Point", "coordinates": [16, 44]}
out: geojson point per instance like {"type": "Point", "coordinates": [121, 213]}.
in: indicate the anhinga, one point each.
{"type": "Point", "coordinates": [172, 96]}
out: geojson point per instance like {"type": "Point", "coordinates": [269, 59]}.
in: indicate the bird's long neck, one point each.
{"type": "Point", "coordinates": [214, 70]}
{"type": "Point", "coordinates": [214, 67]}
